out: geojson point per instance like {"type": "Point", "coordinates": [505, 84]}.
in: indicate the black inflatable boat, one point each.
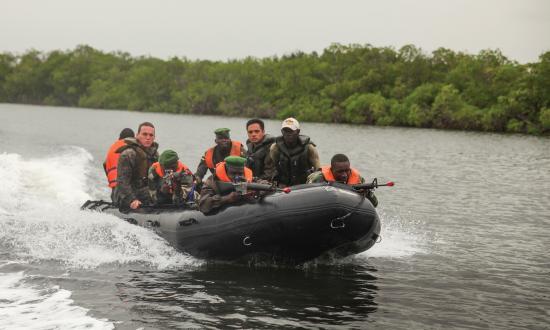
{"type": "Point", "coordinates": [311, 221]}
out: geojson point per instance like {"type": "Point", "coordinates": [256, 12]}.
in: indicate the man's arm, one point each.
{"type": "Point", "coordinates": [153, 182]}
{"type": "Point", "coordinates": [243, 151]}
{"type": "Point", "coordinates": [269, 167]}
{"type": "Point", "coordinates": [313, 157]}
{"type": "Point", "coordinates": [315, 177]}
{"type": "Point", "coordinates": [270, 160]}
{"type": "Point", "coordinates": [201, 169]}
{"type": "Point", "coordinates": [125, 168]}
{"type": "Point", "coordinates": [211, 200]}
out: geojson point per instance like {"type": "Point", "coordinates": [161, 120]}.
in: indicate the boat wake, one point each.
{"type": "Point", "coordinates": [40, 218]}
{"type": "Point", "coordinates": [22, 304]}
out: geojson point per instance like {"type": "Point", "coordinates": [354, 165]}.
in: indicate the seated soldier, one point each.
{"type": "Point", "coordinates": [214, 194]}
{"type": "Point", "coordinates": [293, 156]}
{"type": "Point", "coordinates": [168, 178]}
{"type": "Point", "coordinates": [341, 171]}
{"type": "Point", "coordinates": [224, 147]}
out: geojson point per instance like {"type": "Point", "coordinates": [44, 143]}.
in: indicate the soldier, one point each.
{"type": "Point", "coordinates": [167, 178]}
{"type": "Point", "coordinates": [136, 156]}
{"type": "Point", "coordinates": [257, 146]}
{"type": "Point", "coordinates": [293, 156]}
{"type": "Point", "coordinates": [341, 171]}
{"type": "Point", "coordinates": [111, 160]}
{"type": "Point", "coordinates": [231, 170]}
{"type": "Point", "coordinates": [224, 147]}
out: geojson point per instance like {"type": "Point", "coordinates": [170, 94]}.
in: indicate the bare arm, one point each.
{"type": "Point", "coordinates": [313, 157]}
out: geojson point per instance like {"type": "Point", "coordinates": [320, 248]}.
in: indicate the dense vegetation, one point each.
{"type": "Point", "coordinates": [345, 84]}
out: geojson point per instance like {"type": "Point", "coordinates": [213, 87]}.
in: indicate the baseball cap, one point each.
{"type": "Point", "coordinates": [291, 123]}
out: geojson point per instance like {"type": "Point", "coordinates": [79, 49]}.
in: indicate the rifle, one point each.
{"type": "Point", "coordinates": [246, 188]}
{"type": "Point", "coordinates": [372, 185]}
{"type": "Point", "coordinates": [168, 181]}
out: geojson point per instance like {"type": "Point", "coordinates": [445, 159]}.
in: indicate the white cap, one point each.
{"type": "Point", "coordinates": [291, 123]}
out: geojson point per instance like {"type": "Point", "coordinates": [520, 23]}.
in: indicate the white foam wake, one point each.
{"type": "Point", "coordinates": [401, 236]}
{"type": "Point", "coordinates": [40, 217]}
{"type": "Point", "coordinates": [24, 306]}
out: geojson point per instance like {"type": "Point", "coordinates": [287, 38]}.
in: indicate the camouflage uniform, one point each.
{"type": "Point", "coordinates": [132, 167]}
{"type": "Point", "coordinates": [211, 198]}
{"type": "Point", "coordinates": [158, 187]}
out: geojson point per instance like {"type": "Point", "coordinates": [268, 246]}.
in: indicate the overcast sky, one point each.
{"type": "Point", "coordinates": [226, 29]}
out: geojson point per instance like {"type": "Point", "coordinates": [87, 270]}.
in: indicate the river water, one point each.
{"type": "Point", "coordinates": [465, 234]}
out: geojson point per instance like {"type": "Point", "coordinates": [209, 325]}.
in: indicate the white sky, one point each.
{"type": "Point", "coordinates": [225, 29]}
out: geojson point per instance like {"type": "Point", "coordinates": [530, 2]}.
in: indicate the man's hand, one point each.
{"type": "Point", "coordinates": [231, 197]}
{"type": "Point", "coordinates": [135, 204]}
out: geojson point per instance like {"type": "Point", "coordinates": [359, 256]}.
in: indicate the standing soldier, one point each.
{"type": "Point", "coordinates": [224, 147]}
{"type": "Point", "coordinates": [257, 146]}
{"type": "Point", "coordinates": [111, 160]}
{"type": "Point", "coordinates": [293, 155]}
{"type": "Point", "coordinates": [136, 156]}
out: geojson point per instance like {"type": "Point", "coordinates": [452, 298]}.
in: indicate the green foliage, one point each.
{"type": "Point", "coordinates": [358, 84]}
{"type": "Point", "coordinates": [544, 118]}
{"type": "Point", "coordinates": [365, 108]}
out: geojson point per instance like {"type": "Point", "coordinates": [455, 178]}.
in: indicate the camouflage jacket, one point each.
{"type": "Point", "coordinates": [132, 168]}
{"type": "Point", "coordinates": [168, 189]}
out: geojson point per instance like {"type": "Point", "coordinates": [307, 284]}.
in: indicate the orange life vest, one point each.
{"type": "Point", "coordinates": [221, 173]}
{"type": "Point", "coordinates": [209, 156]}
{"type": "Point", "coordinates": [160, 171]}
{"type": "Point", "coordinates": [354, 178]}
{"type": "Point", "coordinates": [111, 162]}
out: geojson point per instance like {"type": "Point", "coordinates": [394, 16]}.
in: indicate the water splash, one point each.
{"type": "Point", "coordinates": [402, 236]}
{"type": "Point", "coordinates": [40, 217]}
{"type": "Point", "coordinates": [23, 304]}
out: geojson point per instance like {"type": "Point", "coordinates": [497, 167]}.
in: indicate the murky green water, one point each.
{"type": "Point", "coordinates": [465, 234]}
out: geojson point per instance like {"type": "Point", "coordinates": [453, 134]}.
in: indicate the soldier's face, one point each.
{"type": "Point", "coordinates": [223, 142]}
{"type": "Point", "coordinates": [289, 136]}
{"type": "Point", "coordinates": [234, 172]}
{"type": "Point", "coordinates": [341, 171]}
{"type": "Point", "coordinates": [255, 133]}
{"type": "Point", "coordinates": [146, 136]}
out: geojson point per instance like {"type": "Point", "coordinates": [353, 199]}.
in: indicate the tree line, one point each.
{"type": "Point", "coordinates": [357, 84]}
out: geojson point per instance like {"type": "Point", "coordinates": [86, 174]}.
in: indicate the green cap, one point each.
{"type": "Point", "coordinates": [168, 158]}
{"type": "Point", "coordinates": [222, 132]}
{"type": "Point", "coordinates": [235, 161]}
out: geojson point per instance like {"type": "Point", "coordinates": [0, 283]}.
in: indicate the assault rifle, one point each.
{"type": "Point", "coordinates": [372, 185]}
{"type": "Point", "coordinates": [248, 188]}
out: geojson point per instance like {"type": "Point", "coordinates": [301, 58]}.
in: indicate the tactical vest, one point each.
{"type": "Point", "coordinates": [257, 153]}
{"type": "Point", "coordinates": [354, 178]}
{"type": "Point", "coordinates": [143, 162]}
{"type": "Point", "coordinates": [293, 165]}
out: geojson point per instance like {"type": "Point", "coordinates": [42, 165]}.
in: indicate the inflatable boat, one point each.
{"type": "Point", "coordinates": [312, 220]}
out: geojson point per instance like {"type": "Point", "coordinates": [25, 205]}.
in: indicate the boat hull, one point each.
{"type": "Point", "coordinates": [311, 221]}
